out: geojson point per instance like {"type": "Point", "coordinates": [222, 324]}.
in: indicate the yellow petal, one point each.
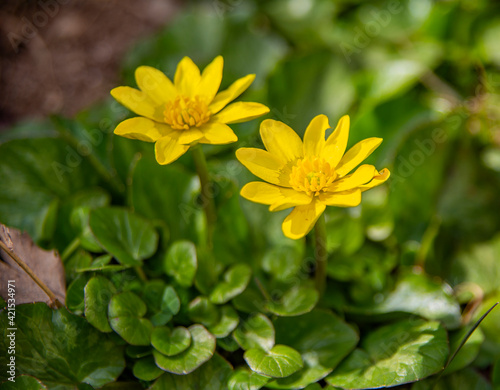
{"type": "Point", "coordinates": [187, 77]}
{"type": "Point", "coordinates": [382, 176]}
{"type": "Point", "coordinates": [356, 155]}
{"type": "Point", "coordinates": [168, 149]}
{"type": "Point", "coordinates": [361, 176]}
{"type": "Point", "coordinates": [228, 95]}
{"type": "Point", "coordinates": [350, 198]}
{"type": "Point", "coordinates": [143, 129]}
{"type": "Point", "coordinates": [240, 112]}
{"type": "Point", "coordinates": [186, 137]}
{"type": "Point", "coordinates": [279, 198]}
{"type": "Point", "coordinates": [263, 164]}
{"type": "Point", "coordinates": [281, 141]}
{"type": "Point", "coordinates": [217, 134]}
{"type": "Point", "coordinates": [155, 84]}
{"type": "Point", "coordinates": [337, 142]}
{"type": "Point", "coordinates": [210, 80]}
{"type": "Point", "coordinates": [302, 219]}
{"type": "Point", "coordinates": [138, 102]}
{"type": "Point", "coordinates": [314, 137]}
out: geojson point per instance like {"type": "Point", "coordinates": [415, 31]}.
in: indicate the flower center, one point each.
{"type": "Point", "coordinates": [185, 112]}
{"type": "Point", "coordinates": [312, 175]}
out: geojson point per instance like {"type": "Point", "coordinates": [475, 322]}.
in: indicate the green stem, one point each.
{"type": "Point", "coordinates": [207, 196]}
{"type": "Point", "coordinates": [320, 254]}
{"type": "Point", "coordinates": [141, 274]}
{"type": "Point", "coordinates": [73, 246]}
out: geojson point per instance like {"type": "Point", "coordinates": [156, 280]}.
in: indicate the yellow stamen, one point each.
{"type": "Point", "coordinates": [312, 176]}
{"type": "Point", "coordinates": [185, 112]}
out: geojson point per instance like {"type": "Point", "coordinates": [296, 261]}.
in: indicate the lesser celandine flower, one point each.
{"type": "Point", "coordinates": [309, 175]}
{"type": "Point", "coordinates": [188, 111]}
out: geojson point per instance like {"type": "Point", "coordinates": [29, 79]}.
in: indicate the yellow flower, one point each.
{"type": "Point", "coordinates": [188, 111]}
{"type": "Point", "coordinates": [308, 175]}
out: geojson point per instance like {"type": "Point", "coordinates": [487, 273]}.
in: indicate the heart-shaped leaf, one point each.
{"type": "Point", "coordinates": [201, 350]}
{"type": "Point", "coordinates": [181, 263]}
{"type": "Point", "coordinates": [98, 293]}
{"type": "Point", "coordinates": [146, 369]}
{"type": "Point", "coordinates": [125, 312]}
{"type": "Point", "coordinates": [171, 342]}
{"type": "Point", "coordinates": [202, 310]}
{"type": "Point", "coordinates": [279, 362]}
{"type": "Point", "coordinates": [235, 282]}
{"type": "Point", "coordinates": [229, 320]}
{"type": "Point", "coordinates": [212, 375]}
{"type": "Point", "coordinates": [296, 301]}
{"type": "Point", "coordinates": [256, 332]}
{"type": "Point", "coordinates": [394, 354]}
{"type": "Point", "coordinates": [244, 379]}
{"type": "Point", "coordinates": [323, 340]}
{"type": "Point", "coordinates": [128, 237]}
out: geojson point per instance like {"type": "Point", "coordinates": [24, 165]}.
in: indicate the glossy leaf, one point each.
{"type": "Point", "coordinates": [146, 369]}
{"type": "Point", "coordinates": [244, 379]}
{"type": "Point", "coordinates": [256, 332]}
{"type": "Point", "coordinates": [98, 293]}
{"type": "Point", "coordinates": [170, 342]}
{"type": "Point", "coordinates": [228, 322]}
{"type": "Point", "coordinates": [279, 362]}
{"type": "Point", "coordinates": [181, 263]}
{"type": "Point", "coordinates": [236, 280]}
{"type": "Point", "coordinates": [296, 301]}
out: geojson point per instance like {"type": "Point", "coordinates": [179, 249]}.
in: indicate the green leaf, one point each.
{"type": "Point", "coordinates": [256, 332]}
{"type": "Point", "coordinates": [296, 301]}
{"type": "Point", "coordinates": [176, 206]}
{"type": "Point", "coordinates": [202, 310]}
{"type": "Point", "coordinates": [98, 293]}
{"type": "Point", "coordinates": [35, 176]}
{"type": "Point", "coordinates": [146, 369]}
{"type": "Point", "coordinates": [170, 302]}
{"type": "Point", "coordinates": [236, 280]}
{"type": "Point", "coordinates": [229, 320]}
{"type": "Point", "coordinates": [138, 351]}
{"type": "Point", "coordinates": [283, 261]}
{"type": "Point", "coordinates": [279, 362]}
{"type": "Point", "coordinates": [201, 350]}
{"type": "Point", "coordinates": [244, 379]}
{"type": "Point", "coordinates": [418, 294]}
{"type": "Point", "coordinates": [125, 313]}
{"type": "Point", "coordinates": [72, 343]}
{"type": "Point", "coordinates": [464, 379]}
{"type": "Point", "coordinates": [75, 295]}
{"type": "Point", "coordinates": [394, 354]}
{"type": "Point", "coordinates": [468, 352]}
{"type": "Point", "coordinates": [23, 382]}
{"type": "Point", "coordinates": [170, 342]}
{"type": "Point", "coordinates": [181, 263]}
{"type": "Point", "coordinates": [128, 237]}
{"type": "Point", "coordinates": [212, 375]}
{"type": "Point", "coordinates": [323, 341]}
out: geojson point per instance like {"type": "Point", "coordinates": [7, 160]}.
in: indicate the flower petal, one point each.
{"type": "Point", "coordinates": [168, 149]}
{"type": "Point", "coordinates": [143, 129]}
{"type": "Point", "coordinates": [186, 137]}
{"type": "Point", "coordinates": [356, 155]}
{"type": "Point", "coordinates": [264, 165]}
{"type": "Point", "coordinates": [337, 142]}
{"type": "Point", "coordinates": [279, 198]}
{"type": "Point", "coordinates": [281, 141]}
{"type": "Point", "coordinates": [155, 84]}
{"type": "Point", "coordinates": [302, 219]}
{"type": "Point", "coordinates": [138, 102]}
{"type": "Point", "coordinates": [361, 176]}
{"type": "Point", "coordinates": [210, 80]}
{"type": "Point", "coordinates": [228, 95]}
{"type": "Point", "coordinates": [314, 137]}
{"type": "Point", "coordinates": [240, 112]}
{"type": "Point", "coordinates": [350, 198]}
{"type": "Point", "coordinates": [217, 134]}
{"type": "Point", "coordinates": [187, 77]}
{"type": "Point", "coordinates": [378, 179]}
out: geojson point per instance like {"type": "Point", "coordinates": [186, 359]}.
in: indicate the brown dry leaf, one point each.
{"type": "Point", "coordinates": [45, 264]}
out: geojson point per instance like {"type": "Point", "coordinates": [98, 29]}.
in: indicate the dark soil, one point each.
{"type": "Point", "coordinates": [60, 56]}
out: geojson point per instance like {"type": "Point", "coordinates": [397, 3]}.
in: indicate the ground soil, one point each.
{"type": "Point", "coordinates": [60, 56]}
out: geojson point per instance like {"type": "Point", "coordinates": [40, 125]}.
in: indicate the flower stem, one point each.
{"type": "Point", "coordinates": [207, 196]}
{"type": "Point", "coordinates": [320, 254]}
